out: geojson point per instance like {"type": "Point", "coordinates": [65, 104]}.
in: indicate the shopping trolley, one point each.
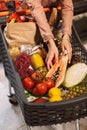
{"type": "Point", "coordinates": [46, 113]}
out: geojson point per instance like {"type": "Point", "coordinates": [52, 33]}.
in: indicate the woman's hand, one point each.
{"type": "Point", "coordinates": [52, 55]}
{"type": "Point", "coordinates": [66, 46]}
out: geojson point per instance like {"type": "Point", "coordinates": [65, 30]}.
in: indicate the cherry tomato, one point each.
{"type": "Point", "coordinates": [37, 76]}
{"type": "Point", "coordinates": [41, 88]}
{"type": "Point", "coordinates": [49, 82]}
{"type": "Point", "coordinates": [28, 83]}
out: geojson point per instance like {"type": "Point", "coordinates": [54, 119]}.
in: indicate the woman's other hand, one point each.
{"type": "Point", "coordinates": [66, 46]}
{"type": "Point", "coordinates": [52, 55]}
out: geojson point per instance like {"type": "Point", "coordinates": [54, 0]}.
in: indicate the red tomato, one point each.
{"type": "Point", "coordinates": [35, 92]}
{"type": "Point", "coordinates": [49, 82]}
{"type": "Point", "coordinates": [41, 88]}
{"type": "Point", "coordinates": [40, 100]}
{"type": "Point", "coordinates": [37, 76]}
{"type": "Point", "coordinates": [28, 83]}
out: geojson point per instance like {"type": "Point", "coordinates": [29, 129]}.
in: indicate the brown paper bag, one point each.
{"type": "Point", "coordinates": [17, 34]}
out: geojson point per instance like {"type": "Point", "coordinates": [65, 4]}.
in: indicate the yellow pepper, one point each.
{"type": "Point", "coordinates": [55, 98]}
{"type": "Point", "coordinates": [37, 60]}
{"type": "Point", "coordinates": [54, 92]}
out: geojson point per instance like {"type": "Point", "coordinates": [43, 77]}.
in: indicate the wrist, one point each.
{"type": "Point", "coordinates": [51, 42]}
{"type": "Point", "coordinates": [66, 37]}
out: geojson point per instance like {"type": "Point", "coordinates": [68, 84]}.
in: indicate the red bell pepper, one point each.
{"type": "Point", "coordinates": [14, 16]}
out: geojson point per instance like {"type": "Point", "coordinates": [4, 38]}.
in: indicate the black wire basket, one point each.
{"type": "Point", "coordinates": [38, 114]}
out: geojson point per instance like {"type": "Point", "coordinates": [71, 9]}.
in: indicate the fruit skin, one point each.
{"type": "Point", "coordinates": [37, 60]}
{"type": "Point", "coordinates": [75, 74]}
{"type": "Point", "coordinates": [55, 99]}
{"type": "Point", "coordinates": [74, 92]}
{"type": "Point", "coordinates": [28, 83]}
{"type": "Point", "coordinates": [58, 70]}
{"type": "Point", "coordinates": [54, 92]}
{"type": "Point", "coordinates": [40, 100]}
{"type": "Point", "coordinates": [41, 88]}
{"type": "Point", "coordinates": [35, 92]}
{"type": "Point", "coordinates": [49, 82]}
{"type": "Point", "coordinates": [43, 70]}
{"type": "Point", "coordinates": [37, 76]}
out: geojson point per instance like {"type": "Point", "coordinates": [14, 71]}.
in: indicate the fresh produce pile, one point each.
{"type": "Point", "coordinates": [63, 81]}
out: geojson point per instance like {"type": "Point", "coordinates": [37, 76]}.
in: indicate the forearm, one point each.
{"type": "Point", "coordinates": [67, 15]}
{"type": "Point", "coordinates": [37, 12]}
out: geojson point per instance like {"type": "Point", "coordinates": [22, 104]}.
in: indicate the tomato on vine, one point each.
{"type": "Point", "coordinates": [49, 82]}
{"type": "Point", "coordinates": [41, 88]}
{"type": "Point", "coordinates": [28, 83]}
{"type": "Point", "coordinates": [37, 76]}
